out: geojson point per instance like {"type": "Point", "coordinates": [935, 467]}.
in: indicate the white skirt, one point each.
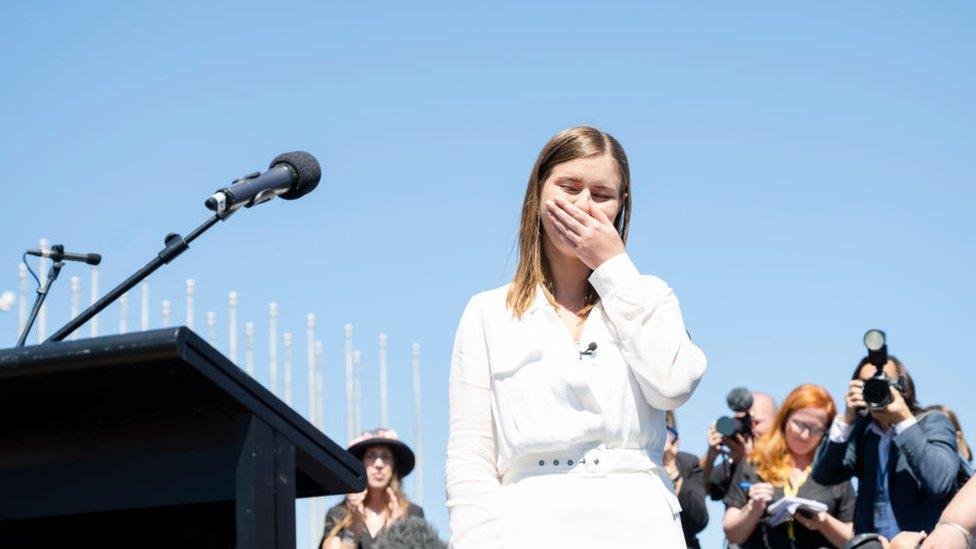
{"type": "Point", "coordinates": [606, 504]}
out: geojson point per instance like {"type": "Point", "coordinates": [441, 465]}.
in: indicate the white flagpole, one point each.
{"type": "Point", "coordinates": [418, 447]}
{"type": "Point", "coordinates": [286, 342]}
{"type": "Point", "coordinates": [384, 410]}
{"type": "Point", "coordinates": [319, 377]}
{"type": "Point", "coordinates": [249, 348]}
{"type": "Point", "coordinates": [75, 302]}
{"type": "Point", "coordinates": [319, 421]}
{"type": "Point", "coordinates": [211, 328]}
{"type": "Point", "coordinates": [350, 427]}
{"type": "Point", "coordinates": [273, 346]}
{"type": "Point", "coordinates": [310, 364]}
{"type": "Point", "coordinates": [22, 299]}
{"type": "Point", "coordinates": [123, 313]}
{"type": "Point", "coordinates": [167, 309]}
{"type": "Point", "coordinates": [93, 323]}
{"type": "Point", "coordinates": [190, 290]}
{"type": "Point", "coordinates": [42, 274]}
{"type": "Point", "coordinates": [357, 387]}
{"type": "Point", "coordinates": [144, 312]}
{"type": "Point", "coordinates": [232, 326]}
{"type": "Point", "coordinates": [313, 507]}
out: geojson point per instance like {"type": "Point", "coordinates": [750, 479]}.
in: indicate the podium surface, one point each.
{"type": "Point", "coordinates": [153, 439]}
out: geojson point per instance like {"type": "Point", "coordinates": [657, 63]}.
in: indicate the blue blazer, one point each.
{"type": "Point", "coordinates": [922, 470]}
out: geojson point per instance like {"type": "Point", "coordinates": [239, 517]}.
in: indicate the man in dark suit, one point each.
{"type": "Point", "coordinates": [906, 465]}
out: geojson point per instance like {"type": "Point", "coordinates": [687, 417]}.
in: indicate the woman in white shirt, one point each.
{"type": "Point", "coordinates": [560, 380]}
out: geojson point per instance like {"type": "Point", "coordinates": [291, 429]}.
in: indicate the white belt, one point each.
{"type": "Point", "coordinates": [592, 463]}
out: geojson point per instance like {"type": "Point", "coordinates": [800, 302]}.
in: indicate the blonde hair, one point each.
{"type": "Point", "coordinates": [771, 455]}
{"type": "Point", "coordinates": [533, 267]}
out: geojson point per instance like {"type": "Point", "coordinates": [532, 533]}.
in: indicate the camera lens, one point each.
{"type": "Point", "coordinates": [728, 426]}
{"type": "Point", "coordinates": [876, 393]}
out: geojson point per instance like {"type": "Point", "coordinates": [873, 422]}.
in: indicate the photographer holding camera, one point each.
{"type": "Point", "coordinates": [906, 466]}
{"type": "Point", "coordinates": [732, 438]}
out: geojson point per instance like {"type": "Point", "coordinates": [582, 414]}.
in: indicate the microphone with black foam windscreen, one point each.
{"type": "Point", "coordinates": [739, 400]}
{"type": "Point", "coordinates": [291, 175]}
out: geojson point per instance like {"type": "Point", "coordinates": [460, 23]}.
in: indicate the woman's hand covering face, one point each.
{"type": "Point", "coordinates": [589, 234]}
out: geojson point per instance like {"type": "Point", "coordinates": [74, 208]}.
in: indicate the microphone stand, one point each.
{"type": "Point", "coordinates": [42, 291]}
{"type": "Point", "coordinates": [175, 245]}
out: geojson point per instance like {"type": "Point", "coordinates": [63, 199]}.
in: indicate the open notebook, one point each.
{"type": "Point", "coordinates": [782, 509]}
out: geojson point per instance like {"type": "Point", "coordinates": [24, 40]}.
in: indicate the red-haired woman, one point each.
{"type": "Point", "coordinates": [779, 466]}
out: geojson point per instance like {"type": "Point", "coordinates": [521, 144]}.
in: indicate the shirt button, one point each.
{"type": "Point", "coordinates": [555, 462]}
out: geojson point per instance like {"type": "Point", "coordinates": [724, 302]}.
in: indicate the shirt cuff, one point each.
{"type": "Point", "coordinates": [840, 431]}
{"type": "Point", "coordinates": [903, 425]}
{"type": "Point", "coordinates": [615, 272]}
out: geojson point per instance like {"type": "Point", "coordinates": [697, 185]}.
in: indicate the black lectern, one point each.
{"type": "Point", "coordinates": [153, 439]}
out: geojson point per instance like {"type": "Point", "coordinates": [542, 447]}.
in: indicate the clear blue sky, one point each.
{"type": "Point", "coordinates": [801, 174]}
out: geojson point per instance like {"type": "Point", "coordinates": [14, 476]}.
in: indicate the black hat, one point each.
{"type": "Point", "coordinates": [402, 453]}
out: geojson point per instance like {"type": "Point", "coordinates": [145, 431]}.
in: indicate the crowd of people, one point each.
{"type": "Point", "coordinates": [562, 431]}
{"type": "Point", "coordinates": [909, 463]}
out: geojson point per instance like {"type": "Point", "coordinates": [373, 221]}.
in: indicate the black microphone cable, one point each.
{"type": "Point", "coordinates": [23, 259]}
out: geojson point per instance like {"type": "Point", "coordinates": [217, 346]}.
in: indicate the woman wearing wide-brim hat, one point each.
{"type": "Point", "coordinates": [359, 520]}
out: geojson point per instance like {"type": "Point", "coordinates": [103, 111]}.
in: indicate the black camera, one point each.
{"type": "Point", "coordinates": [740, 401]}
{"type": "Point", "coordinates": [876, 390]}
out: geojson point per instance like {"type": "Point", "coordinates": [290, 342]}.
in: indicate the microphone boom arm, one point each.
{"type": "Point", "coordinates": [175, 245]}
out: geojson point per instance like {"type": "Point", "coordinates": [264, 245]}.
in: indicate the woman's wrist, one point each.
{"type": "Point", "coordinates": [820, 522]}
{"type": "Point", "coordinates": [752, 509]}
{"type": "Point", "coordinates": [959, 529]}
{"type": "Point", "coordinates": [614, 272]}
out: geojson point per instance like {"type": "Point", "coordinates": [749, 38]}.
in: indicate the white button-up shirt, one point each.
{"type": "Point", "coordinates": [519, 386]}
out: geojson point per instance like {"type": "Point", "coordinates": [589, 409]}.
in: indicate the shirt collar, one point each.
{"type": "Point", "coordinates": [539, 301]}
{"type": "Point", "coordinates": [874, 427]}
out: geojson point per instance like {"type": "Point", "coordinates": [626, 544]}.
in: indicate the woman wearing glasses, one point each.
{"type": "Point", "coordinates": [779, 465]}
